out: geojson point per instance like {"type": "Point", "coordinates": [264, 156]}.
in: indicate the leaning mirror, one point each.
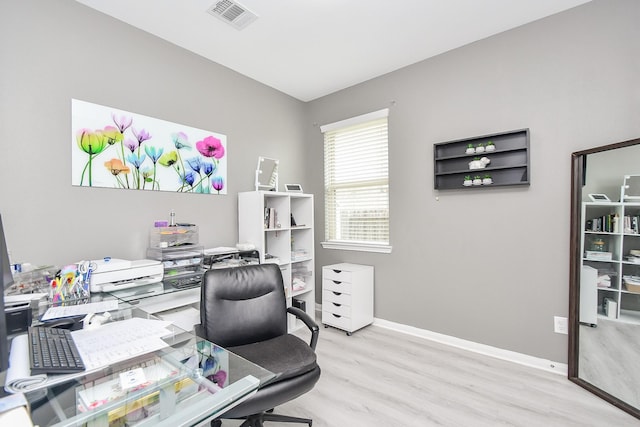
{"type": "Point", "coordinates": [604, 311]}
{"type": "Point", "coordinates": [267, 174]}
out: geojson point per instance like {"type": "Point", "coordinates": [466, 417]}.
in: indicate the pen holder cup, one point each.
{"type": "Point", "coordinates": [69, 284]}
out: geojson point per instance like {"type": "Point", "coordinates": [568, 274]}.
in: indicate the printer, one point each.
{"type": "Point", "coordinates": [112, 274]}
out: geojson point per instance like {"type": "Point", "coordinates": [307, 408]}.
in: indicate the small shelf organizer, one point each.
{"type": "Point", "coordinates": [509, 161]}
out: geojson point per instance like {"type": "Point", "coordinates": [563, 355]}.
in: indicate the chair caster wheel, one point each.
{"type": "Point", "coordinates": [349, 334]}
{"type": "Point", "coordinates": [216, 423]}
{"type": "Point", "coordinates": [326, 326]}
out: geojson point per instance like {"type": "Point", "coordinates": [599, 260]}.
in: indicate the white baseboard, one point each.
{"type": "Point", "coordinates": [487, 350]}
{"type": "Point", "coordinates": [511, 356]}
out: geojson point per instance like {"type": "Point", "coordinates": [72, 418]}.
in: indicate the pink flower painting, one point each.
{"type": "Point", "coordinates": [119, 149]}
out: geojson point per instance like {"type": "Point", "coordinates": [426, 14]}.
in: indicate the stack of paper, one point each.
{"type": "Point", "coordinates": [604, 281]}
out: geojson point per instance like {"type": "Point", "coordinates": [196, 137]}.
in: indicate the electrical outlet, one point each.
{"type": "Point", "coordinates": [560, 325]}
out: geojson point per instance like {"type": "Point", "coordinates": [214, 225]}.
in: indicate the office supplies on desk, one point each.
{"type": "Point", "coordinates": [113, 274]}
{"type": "Point", "coordinates": [53, 351]}
{"type": "Point", "coordinates": [109, 344]}
{"type": "Point", "coordinates": [118, 341]}
{"type": "Point", "coordinates": [11, 300]}
{"type": "Point", "coordinates": [19, 377]}
{"type": "Point", "coordinates": [69, 284]}
{"type": "Point", "coordinates": [79, 309]}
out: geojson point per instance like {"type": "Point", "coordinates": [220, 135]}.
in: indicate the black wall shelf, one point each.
{"type": "Point", "coordinates": [509, 162]}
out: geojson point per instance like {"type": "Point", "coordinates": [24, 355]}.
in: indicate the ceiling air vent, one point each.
{"type": "Point", "coordinates": [232, 13]}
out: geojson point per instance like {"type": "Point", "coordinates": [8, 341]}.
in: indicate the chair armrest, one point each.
{"type": "Point", "coordinates": [311, 324]}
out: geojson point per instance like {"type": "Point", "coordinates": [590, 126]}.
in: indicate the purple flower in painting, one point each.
{"type": "Point", "coordinates": [121, 122]}
{"type": "Point", "coordinates": [180, 140]}
{"type": "Point", "coordinates": [189, 178]}
{"type": "Point", "coordinates": [135, 160]}
{"type": "Point", "coordinates": [217, 183]}
{"type": "Point", "coordinates": [131, 145]}
{"type": "Point", "coordinates": [141, 135]}
{"type": "Point", "coordinates": [153, 152]}
{"type": "Point", "coordinates": [219, 378]}
{"type": "Point", "coordinates": [195, 163]}
{"type": "Point", "coordinates": [210, 147]}
{"type": "Point", "coordinates": [208, 168]}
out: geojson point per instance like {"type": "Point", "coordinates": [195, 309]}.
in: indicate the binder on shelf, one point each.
{"type": "Point", "coordinates": [610, 308]}
{"type": "Point", "coordinates": [270, 218]}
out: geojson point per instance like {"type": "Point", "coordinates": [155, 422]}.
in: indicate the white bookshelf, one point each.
{"type": "Point", "coordinates": [619, 241]}
{"type": "Point", "coordinates": [278, 241]}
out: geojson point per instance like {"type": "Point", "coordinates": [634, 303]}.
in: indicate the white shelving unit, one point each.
{"type": "Point", "coordinates": [265, 220]}
{"type": "Point", "coordinates": [618, 241]}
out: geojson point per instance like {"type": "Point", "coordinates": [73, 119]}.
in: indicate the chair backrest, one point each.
{"type": "Point", "coordinates": [242, 305]}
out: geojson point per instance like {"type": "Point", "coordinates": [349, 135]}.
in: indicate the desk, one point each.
{"type": "Point", "coordinates": [179, 387]}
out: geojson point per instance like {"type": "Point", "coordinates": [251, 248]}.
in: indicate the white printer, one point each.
{"type": "Point", "coordinates": [111, 274]}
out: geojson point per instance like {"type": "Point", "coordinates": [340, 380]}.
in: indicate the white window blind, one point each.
{"type": "Point", "coordinates": [356, 181]}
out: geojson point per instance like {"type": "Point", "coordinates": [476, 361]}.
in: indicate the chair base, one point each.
{"type": "Point", "coordinates": [257, 420]}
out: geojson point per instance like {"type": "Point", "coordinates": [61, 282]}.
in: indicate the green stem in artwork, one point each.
{"type": "Point", "coordinates": [90, 167]}
{"type": "Point", "coordinates": [120, 181]}
{"type": "Point", "coordinates": [200, 182]}
{"type": "Point", "coordinates": [153, 184]}
{"type": "Point", "coordinates": [124, 159]}
{"type": "Point", "coordinates": [84, 170]}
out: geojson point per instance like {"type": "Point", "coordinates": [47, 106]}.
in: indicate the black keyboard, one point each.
{"type": "Point", "coordinates": [52, 351]}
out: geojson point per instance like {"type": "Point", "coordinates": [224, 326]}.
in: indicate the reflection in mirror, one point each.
{"type": "Point", "coordinates": [604, 340]}
{"type": "Point", "coordinates": [267, 174]}
{"type": "Point", "coordinates": [630, 191]}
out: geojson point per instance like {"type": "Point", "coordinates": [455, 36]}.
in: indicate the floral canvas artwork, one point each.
{"type": "Point", "coordinates": [119, 149]}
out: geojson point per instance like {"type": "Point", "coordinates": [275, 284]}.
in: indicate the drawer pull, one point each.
{"type": "Point", "coordinates": [337, 305]}
{"type": "Point", "coordinates": [336, 315]}
{"type": "Point", "coordinates": [337, 293]}
{"type": "Point", "coordinates": [336, 282]}
{"type": "Point", "coordinates": [337, 271]}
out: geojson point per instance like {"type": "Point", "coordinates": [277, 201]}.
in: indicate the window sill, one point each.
{"type": "Point", "coordinates": [363, 247]}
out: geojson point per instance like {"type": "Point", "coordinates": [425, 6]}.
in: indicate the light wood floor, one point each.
{"type": "Point", "coordinates": [609, 358]}
{"type": "Point", "coordinates": [378, 377]}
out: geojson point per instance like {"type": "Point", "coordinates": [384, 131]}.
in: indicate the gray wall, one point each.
{"type": "Point", "coordinates": [487, 266]}
{"type": "Point", "coordinates": [55, 50]}
{"type": "Point", "coordinates": [492, 266]}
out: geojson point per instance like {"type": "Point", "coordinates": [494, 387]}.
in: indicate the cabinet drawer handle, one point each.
{"type": "Point", "coordinates": [336, 282]}
{"type": "Point", "coordinates": [336, 304]}
{"type": "Point", "coordinates": [337, 293]}
{"type": "Point", "coordinates": [336, 315]}
{"type": "Point", "coordinates": [337, 271]}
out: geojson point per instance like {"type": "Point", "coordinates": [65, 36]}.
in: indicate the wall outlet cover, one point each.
{"type": "Point", "coordinates": [560, 325]}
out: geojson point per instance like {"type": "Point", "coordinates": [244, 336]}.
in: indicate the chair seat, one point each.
{"type": "Point", "coordinates": [286, 356]}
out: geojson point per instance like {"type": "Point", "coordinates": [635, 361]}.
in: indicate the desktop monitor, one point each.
{"type": "Point", "coordinates": [7, 280]}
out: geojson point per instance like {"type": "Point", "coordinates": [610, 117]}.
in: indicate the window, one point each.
{"type": "Point", "coordinates": [356, 183]}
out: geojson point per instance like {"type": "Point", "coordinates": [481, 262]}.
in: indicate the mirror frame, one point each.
{"type": "Point", "coordinates": [578, 171]}
{"type": "Point", "coordinates": [273, 175]}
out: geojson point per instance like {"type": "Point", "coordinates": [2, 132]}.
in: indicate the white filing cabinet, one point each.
{"type": "Point", "coordinates": [347, 296]}
{"type": "Point", "coordinates": [589, 296]}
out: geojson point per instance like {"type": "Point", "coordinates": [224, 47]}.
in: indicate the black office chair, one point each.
{"type": "Point", "coordinates": [244, 310]}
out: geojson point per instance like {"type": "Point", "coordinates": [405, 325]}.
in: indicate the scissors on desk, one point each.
{"type": "Point", "coordinates": [85, 268]}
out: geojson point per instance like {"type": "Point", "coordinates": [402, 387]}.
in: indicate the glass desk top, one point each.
{"type": "Point", "coordinates": [188, 382]}
{"type": "Point", "coordinates": [153, 290]}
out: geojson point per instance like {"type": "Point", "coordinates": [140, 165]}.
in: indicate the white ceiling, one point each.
{"type": "Point", "coordinates": [311, 48]}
